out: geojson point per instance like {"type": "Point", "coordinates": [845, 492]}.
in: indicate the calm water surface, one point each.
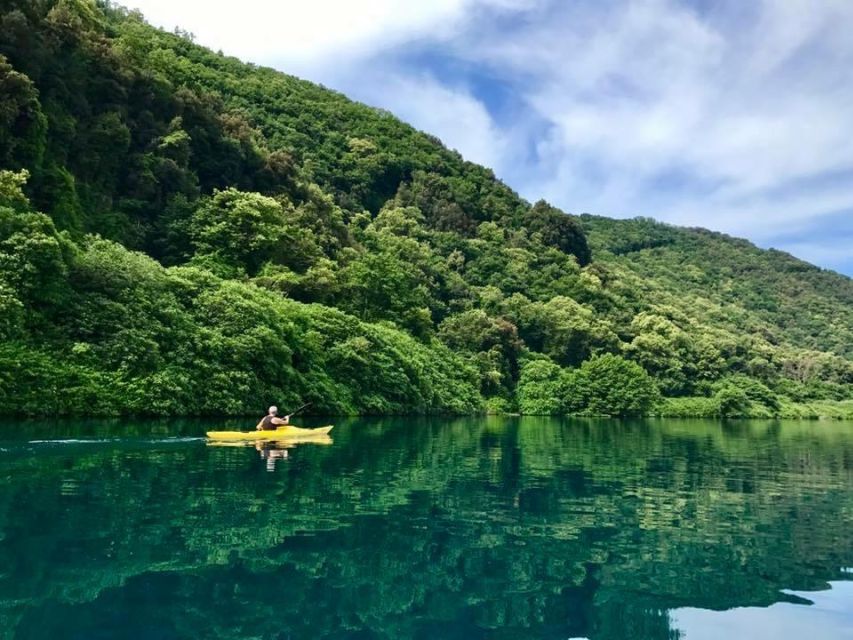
{"type": "Point", "coordinates": [413, 528]}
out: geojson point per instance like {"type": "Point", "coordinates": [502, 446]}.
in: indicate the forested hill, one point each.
{"type": "Point", "coordinates": [783, 298]}
{"type": "Point", "coordinates": [181, 232]}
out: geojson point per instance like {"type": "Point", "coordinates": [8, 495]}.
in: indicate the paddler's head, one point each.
{"type": "Point", "coordinates": [273, 410]}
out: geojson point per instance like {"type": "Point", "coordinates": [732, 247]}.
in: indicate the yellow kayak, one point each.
{"type": "Point", "coordinates": [282, 433]}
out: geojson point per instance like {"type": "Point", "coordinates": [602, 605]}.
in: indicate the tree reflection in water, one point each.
{"type": "Point", "coordinates": [415, 528]}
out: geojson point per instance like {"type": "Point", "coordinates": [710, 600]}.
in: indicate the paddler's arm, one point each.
{"type": "Point", "coordinates": [260, 425]}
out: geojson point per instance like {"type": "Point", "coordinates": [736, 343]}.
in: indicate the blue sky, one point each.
{"type": "Point", "coordinates": [736, 116]}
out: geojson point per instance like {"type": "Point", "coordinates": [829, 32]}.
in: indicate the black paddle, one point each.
{"type": "Point", "coordinates": [293, 413]}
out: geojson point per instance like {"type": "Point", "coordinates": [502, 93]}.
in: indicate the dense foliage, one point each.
{"type": "Point", "coordinates": [183, 232]}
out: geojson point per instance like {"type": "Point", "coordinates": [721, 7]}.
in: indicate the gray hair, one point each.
{"type": "Point", "coordinates": [273, 410]}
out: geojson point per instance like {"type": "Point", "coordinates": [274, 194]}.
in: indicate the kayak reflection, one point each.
{"type": "Point", "coordinates": [273, 450]}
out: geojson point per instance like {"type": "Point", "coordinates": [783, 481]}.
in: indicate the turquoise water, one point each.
{"type": "Point", "coordinates": [416, 528]}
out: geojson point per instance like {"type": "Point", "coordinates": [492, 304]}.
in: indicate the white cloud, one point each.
{"type": "Point", "coordinates": [299, 32]}
{"type": "Point", "coordinates": [452, 114]}
{"type": "Point", "coordinates": [656, 109]}
{"type": "Point", "coordinates": [260, 29]}
{"type": "Point", "coordinates": [343, 43]}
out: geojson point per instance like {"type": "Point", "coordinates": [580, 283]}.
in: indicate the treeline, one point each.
{"type": "Point", "coordinates": [182, 232]}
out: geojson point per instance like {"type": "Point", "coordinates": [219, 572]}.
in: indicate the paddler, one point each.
{"type": "Point", "coordinates": [271, 421]}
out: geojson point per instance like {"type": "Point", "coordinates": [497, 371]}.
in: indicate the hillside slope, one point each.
{"type": "Point", "coordinates": [794, 301]}
{"type": "Point", "coordinates": [182, 232]}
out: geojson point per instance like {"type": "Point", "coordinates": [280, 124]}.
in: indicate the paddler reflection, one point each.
{"type": "Point", "coordinates": [271, 452]}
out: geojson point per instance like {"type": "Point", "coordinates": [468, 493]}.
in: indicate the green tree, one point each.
{"type": "Point", "coordinates": [33, 257]}
{"type": "Point", "coordinates": [559, 230]}
{"type": "Point", "coordinates": [12, 189]}
{"type": "Point", "coordinates": [664, 349]}
{"type": "Point", "coordinates": [562, 328]}
{"type": "Point", "coordinates": [739, 395]}
{"type": "Point", "coordinates": [23, 125]}
{"type": "Point", "coordinates": [611, 385]}
{"type": "Point", "coordinates": [493, 342]}
{"type": "Point", "coordinates": [240, 230]}
{"type": "Point", "coordinates": [544, 388]}
{"type": "Point", "coordinates": [732, 401]}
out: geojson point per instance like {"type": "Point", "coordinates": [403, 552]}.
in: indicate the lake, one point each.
{"type": "Point", "coordinates": [429, 528]}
